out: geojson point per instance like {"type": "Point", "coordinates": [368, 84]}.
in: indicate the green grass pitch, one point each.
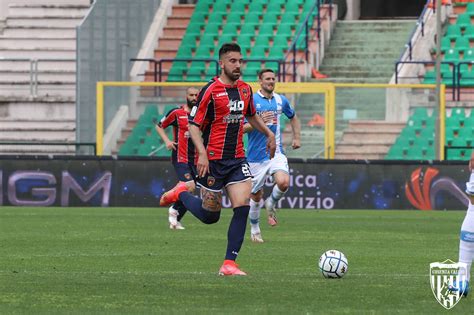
{"type": "Point", "coordinates": [127, 261]}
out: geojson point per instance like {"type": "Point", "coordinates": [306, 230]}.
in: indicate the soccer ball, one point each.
{"type": "Point", "coordinates": [333, 264]}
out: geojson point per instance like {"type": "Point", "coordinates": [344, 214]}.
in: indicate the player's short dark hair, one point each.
{"type": "Point", "coordinates": [261, 72]}
{"type": "Point", "coordinates": [228, 47]}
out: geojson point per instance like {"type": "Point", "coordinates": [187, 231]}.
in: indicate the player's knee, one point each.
{"type": "Point", "coordinates": [257, 196]}
{"type": "Point", "coordinates": [191, 186]}
{"type": "Point", "coordinates": [211, 217]}
{"type": "Point", "coordinates": [283, 185]}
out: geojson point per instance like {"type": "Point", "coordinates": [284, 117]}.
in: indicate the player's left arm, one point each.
{"type": "Point", "coordinates": [257, 123]}
{"type": "Point", "coordinates": [296, 128]}
{"type": "Point", "coordinates": [471, 162]}
{"type": "Point", "coordinates": [294, 122]}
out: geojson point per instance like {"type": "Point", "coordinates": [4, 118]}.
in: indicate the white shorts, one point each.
{"type": "Point", "coordinates": [261, 170]}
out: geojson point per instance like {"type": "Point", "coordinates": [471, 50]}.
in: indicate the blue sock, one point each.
{"type": "Point", "coordinates": [194, 205]}
{"type": "Point", "coordinates": [178, 205]}
{"type": "Point", "coordinates": [236, 233]}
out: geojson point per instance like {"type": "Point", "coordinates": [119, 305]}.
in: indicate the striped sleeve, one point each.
{"type": "Point", "coordinates": [251, 108]}
{"type": "Point", "coordinates": [198, 113]}
{"type": "Point", "coordinates": [168, 119]}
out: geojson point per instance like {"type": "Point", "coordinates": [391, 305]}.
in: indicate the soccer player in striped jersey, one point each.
{"type": "Point", "coordinates": [466, 242]}
{"type": "Point", "coordinates": [219, 114]}
{"type": "Point", "coordinates": [183, 153]}
{"type": "Point", "coordinates": [270, 106]}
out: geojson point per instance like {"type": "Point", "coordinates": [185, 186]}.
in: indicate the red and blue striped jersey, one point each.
{"type": "Point", "coordinates": [178, 118]}
{"type": "Point", "coordinates": [219, 113]}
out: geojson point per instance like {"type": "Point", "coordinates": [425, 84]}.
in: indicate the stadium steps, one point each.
{"type": "Point", "coordinates": [364, 44]}
{"type": "Point", "coordinates": [170, 41]}
{"type": "Point", "coordinates": [367, 139]}
{"type": "Point", "coordinates": [359, 52]}
{"type": "Point", "coordinates": [43, 29]}
{"type": "Point", "coordinates": [19, 131]}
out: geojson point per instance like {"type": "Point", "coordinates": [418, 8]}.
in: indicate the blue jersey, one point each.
{"type": "Point", "coordinates": [257, 142]}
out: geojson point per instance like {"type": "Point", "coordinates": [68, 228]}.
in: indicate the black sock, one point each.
{"type": "Point", "coordinates": [236, 233]}
{"type": "Point", "coordinates": [178, 205]}
{"type": "Point", "coordinates": [194, 205]}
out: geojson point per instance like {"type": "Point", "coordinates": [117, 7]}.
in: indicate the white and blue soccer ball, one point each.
{"type": "Point", "coordinates": [333, 264]}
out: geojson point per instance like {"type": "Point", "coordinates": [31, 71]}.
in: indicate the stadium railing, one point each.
{"type": "Point", "coordinates": [34, 70]}
{"type": "Point", "coordinates": [454, 72]}
{"type": "Point", "coordinates": [463, 78]}
{"type": "Point", "coordinates": [158, 65]}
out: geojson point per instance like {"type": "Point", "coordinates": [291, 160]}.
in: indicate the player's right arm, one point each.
{"type": "Point", "coordinates": [471, 162]}
{"type": "Point", "coordinates": [168, 119]}
{"type": "Point", "coordinates": [203, 162]}
{"type": "Point", "coordinates": [198, 115]}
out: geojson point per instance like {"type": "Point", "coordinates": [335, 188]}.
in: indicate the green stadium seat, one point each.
{"type": "Point", "coordinates": [212, 28]}
{"type": "Point", "coordinates": [245, 41]}
{"type": "Point", "coordinates": [468, 55]}
{"type": "Point", "coordinates": [274, 8]}
{"type": "Point", "coordinates": [204, 51]}
{"type": "Point", "coordinates": [469, 32]}
{"type": "Point", "coordinates": [262, 41]}
{"type": "Point", "coordinates": [470, 9]}
{"type": "Point", "coordinates": [451, 55]}
{"type": "Point", "coordinates": [220, 6]}
{"type": "Point", "coordinates": [290, 17]}
{"type": "Point", "coordinates": [217, 16]}
{"type": "Point", "coordinates": [285, 29]}
{"type": "Point", "coordinates": [466, 76]}
{"type": "Point", "coordinates": [453, 32]}
{"type": "Point", "coordinates": [294, 6]}
{"type": "Point", "coordinates": [235, 17]}
{"type": "Point", "coordinates": [446, 44]}
{"type": "Point", "coordinates": [266, 29]}
{"type": "Point", "coordinates": [463, 20]}
{"type": "Point", "coordinates": [226, 39]}
{"type": "Point", "coordinates": [198, 18]}
{"type": "Point", "coordinates": [184, 52]}
{"type": "Point", "coordinates": [238, 6]}
{"type": "Point", "coordinates": [281, 41]}
{"type": "Point", "coordinates": [258, 52]}
{"type": "Point", "coordinates": [176, 74]}
{"type": "Point", "coordinates": [203, 6]}
{"type": "Point", "coordinates": [270, 19]}
{"type": "Point", "coordinates": [253, 17]}
{"type": "Point", "coordinates": [257, 6]}
{"type": "Point", "coordinates": [462, 44]}
{"type": "Point", "coordinates": [276, 52]}
{"type": "Point", "coordinates": [208, 39]}
{"type": "Point", "coordinates": [248, 28]}
{"type": "Point", "coordinates": [230, 29]}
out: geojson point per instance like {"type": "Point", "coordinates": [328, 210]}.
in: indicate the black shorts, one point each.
{"type": "Point", "coordinates": [185, 172]}
{"type": "Point", "coordinates": [225, 172]}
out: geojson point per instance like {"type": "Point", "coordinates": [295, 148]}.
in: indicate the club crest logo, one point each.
{"type": "Point", "coordinates": [245, 92]}
{"type": "Point", "coordinates": [445, 279]}
{"type": "Point", "coordinates": [210, 181]}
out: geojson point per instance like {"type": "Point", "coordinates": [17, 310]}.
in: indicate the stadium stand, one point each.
{"type": "Point", "coordinates": [262, 33]}
{"type": "Point", "coordinates": [37, 75]}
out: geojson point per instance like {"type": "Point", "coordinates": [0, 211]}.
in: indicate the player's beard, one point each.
{"type": "Point", "coordinates": [234, 76]}
{"type": "Point", "coordinates": [190, 103]}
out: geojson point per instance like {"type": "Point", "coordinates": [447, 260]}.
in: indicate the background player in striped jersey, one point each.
{"type": "Point", "coordinates": [270, 106]}
{"type": "Point", "coordinates": [183, 151]}
{"type": "Point", "coordinates": [219, 114]}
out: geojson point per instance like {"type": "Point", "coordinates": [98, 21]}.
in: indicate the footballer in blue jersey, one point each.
{"type": "Point", "coordinates": [270, 106]}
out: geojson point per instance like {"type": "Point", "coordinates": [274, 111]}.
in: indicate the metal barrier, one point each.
{"type": "Point", "coordinates": [33, 74]}
{"type": "Point", "coordinates": [419, 23]}
{"type": "Point", "coordinates": [305, 27]}
{"type": "Point", "coordinates": [459, 76]}
{"type": "Point", "coordinates": [453, 64]}
{"type": "Point", "coordinates": [158, 65]}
